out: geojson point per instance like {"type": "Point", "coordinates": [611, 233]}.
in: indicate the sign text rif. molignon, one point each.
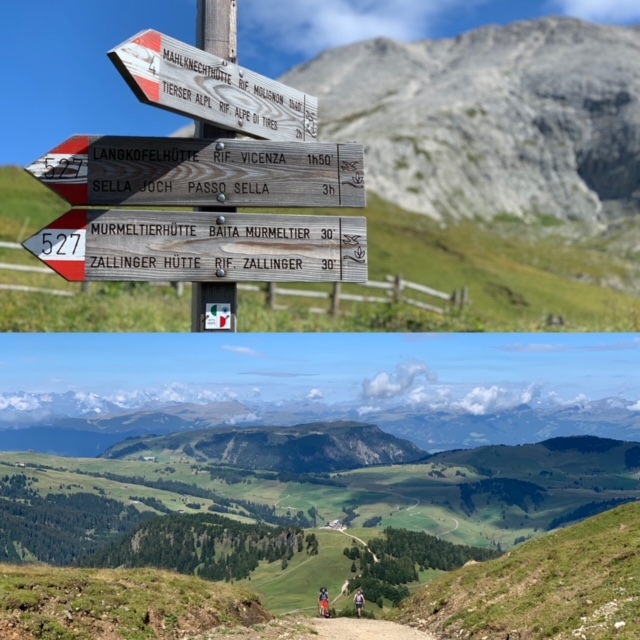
{"type": "Point", "coordinates": [172, 75]}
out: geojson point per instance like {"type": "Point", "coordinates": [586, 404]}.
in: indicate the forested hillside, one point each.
{"type": "Point", "coordinates": [390, 562]}
{"type": "Point", "coordinates": [57, 528]}
{"type": "Point", "coordinates": [206, 545]}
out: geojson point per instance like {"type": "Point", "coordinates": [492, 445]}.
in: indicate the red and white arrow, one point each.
{"type": "Point", "coordinates": [61, 245]}
{"type": "Point", "coordinates": [138, 60]}
{"type": "Point", "coordinates": [65, 169]}
{"type": "Point", "coordinates": [176, 76]}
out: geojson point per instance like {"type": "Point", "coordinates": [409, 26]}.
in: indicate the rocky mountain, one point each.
{"type": "Point", "coordinates": [534, 120]}
{"type": "Point", "coordinates": [522, 424]}
{"type": "Point", "coordinates": [307, 448]}
{"type": "Point", "coordinates": [24, 408]}
{"type": "Point", "coordinates": [49, 423]}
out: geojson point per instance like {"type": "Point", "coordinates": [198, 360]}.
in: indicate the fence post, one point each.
{"type": "Point", "coordinates": [335, 298]}
{"type": "Point", "coordinates": [271, 295]}
{"type": "Point", "coordinates": [179, 287]}
{"type": "Point", "coordinates": [465, 297]}
{"type": "Point", "coordinates": [398, 287]}
{"type": "Point", "coordinates": [455, 298]}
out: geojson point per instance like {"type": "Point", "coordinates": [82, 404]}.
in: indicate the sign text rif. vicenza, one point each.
{"type": "Point", "coordinates": [116, 170]}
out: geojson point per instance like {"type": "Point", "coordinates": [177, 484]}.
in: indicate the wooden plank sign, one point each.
{"type": "Point", "coordinates": [175, 76]}
{"type": "Point", "coordinates": [111, 170]}
{"type": "Point", "coordinates": [88, 245]}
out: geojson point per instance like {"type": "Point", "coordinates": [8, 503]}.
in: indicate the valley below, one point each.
{"type": "Point", "coordinates": [279, 534]}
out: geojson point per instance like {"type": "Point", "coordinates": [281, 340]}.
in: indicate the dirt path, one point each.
{"type": "Point", "coordinates": [319, 629]}
{"type": "Point", "coordinates": [363, 543]}
{"type": "Point", "coordinates": [354, 629]}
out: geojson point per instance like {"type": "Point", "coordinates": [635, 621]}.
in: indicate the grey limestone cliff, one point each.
{"type": "Point", "coordinates": [535, 118]}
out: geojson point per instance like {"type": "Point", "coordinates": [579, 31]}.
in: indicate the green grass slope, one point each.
{"type": "Point", "coordinates": [46, 603]}
{"type": "Point", "coordinates": [517, 276]}
{"type": "Point", "coordinates": [295, 588]}
{"type": "Point", "coordinates": [580, 582]}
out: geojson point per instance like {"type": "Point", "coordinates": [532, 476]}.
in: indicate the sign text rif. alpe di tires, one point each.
{"type": "Point", "coordinates": [175, 76]}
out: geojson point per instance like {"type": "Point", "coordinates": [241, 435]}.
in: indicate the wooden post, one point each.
{"type": "Point", "coordinates": [335, 298]}
{"type": "Point", "coordinates": [398, 287]}
{"type": "Point", "coordinates": [216, 33]}
{"type": "Point", "coordinates": [179, 287]}
{"type": "Point", "coordinates": [465, 297]}
{"type": "Point", "coordinates": [271, 295]}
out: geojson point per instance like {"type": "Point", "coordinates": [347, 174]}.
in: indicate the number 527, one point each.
{"type": "Point", "coordinates": [62, 245]}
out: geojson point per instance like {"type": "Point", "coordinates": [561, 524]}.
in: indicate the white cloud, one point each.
{"type": "Point", "coordinates": [242, 351]}
{"type": "Point", "coordinates": [535, 348]}
{"type": "Point", "coordinates": [531, 393]}
{"type": "Point", "coordinates": [616, 11]}
{"type": "Point", "coordinates": [246, 417]}
{"type": "Point", "coordinates": [581, 400]}
{"type": "Point", "coordinates": [418, 396]}
{"type": "Point", "coordinates": [634, 407]}
{"type": "Point", "coordinates": [483, 400]}
{"type": "Point", "coordinates": [363, 411]}
{"type": "Point", "coordinates": [312, 26]}
{"type": "Point", "coordinates": [173, 393]}
{"type": "Point", "coordinates": [24, 402]}
{"type": "Point", "coordinates": [315, 394]}
{"type": "Point", "coordinates": [386, 385]}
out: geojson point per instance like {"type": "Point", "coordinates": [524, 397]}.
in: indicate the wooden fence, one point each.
{"type": "Point", "coordinates": [395, 290]}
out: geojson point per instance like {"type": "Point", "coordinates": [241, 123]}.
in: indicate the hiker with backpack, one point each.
{"type": "Point", "coordinates": [323, 603]}
{"type": "Point", "coordinates": [359, 602]}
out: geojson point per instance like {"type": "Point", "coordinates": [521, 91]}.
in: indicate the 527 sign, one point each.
{"type": "Point", "coordinates": [128, 245]}
{"type": "Point", "coordinates": [62, 243]}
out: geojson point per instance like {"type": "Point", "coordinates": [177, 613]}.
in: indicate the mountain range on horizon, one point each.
{"type": "Point", "coordinates": [97, 419]}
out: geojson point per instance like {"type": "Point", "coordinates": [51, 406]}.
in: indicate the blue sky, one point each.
{"type": "Point", "coordinates": [58, 81]}
{"type": "Point", "coordinates": [364, 370]}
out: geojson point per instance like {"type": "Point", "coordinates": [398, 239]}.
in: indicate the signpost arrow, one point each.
{"type": "Point", "coordinates": [172, 75]}
{"type": "Point", "coordinates": [112, 170]}
{"type": "Point", "coordinates": [128, 245]}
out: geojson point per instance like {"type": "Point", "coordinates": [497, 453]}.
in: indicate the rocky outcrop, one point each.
{"type": "Point", "coordinates": [318, 447]}
{"type": "Point", "coordinates": [538, 118]}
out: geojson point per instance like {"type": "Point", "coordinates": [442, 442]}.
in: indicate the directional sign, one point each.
{"type": "Point", "coordinates": [110, 170]}
{"type": "Point", "coordinates": [175, 76]}
{"type": "Point", "coordinates": [86, 245]}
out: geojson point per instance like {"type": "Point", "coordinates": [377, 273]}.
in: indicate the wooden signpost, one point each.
{"type": "Point", "coordinates": [175, 76]}
{"type": "Point", "coordinates": [112, 170]}
{"type": "Point", "coordinates": [213, 247]}
{"type": "Point", "coordinates": [92, 245]}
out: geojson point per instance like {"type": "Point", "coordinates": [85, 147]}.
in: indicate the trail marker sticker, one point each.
{"type": "Point", "coordinates": [217, 316]}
